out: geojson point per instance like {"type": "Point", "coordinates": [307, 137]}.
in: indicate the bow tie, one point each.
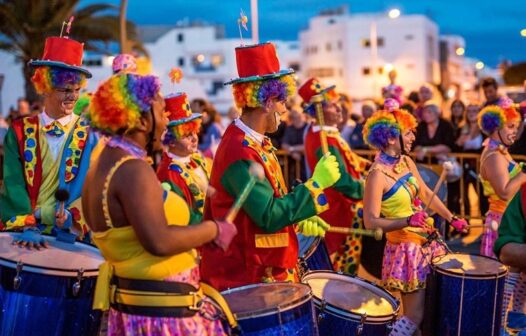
{"type": "Point", "coordinates": [267, 145]}
{"type": "Point", "coordinates": [55, 129]}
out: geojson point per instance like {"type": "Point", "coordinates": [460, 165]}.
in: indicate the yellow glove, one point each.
{"type": "Point", "coordinates": [327, 171]}
{"type": "Point", "coordinates": [314, 226]}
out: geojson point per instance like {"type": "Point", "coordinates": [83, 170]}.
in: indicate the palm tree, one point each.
{"type": "Point", "coordinates": [24, 24]}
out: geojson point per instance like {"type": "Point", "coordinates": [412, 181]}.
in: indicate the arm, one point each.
{"type": "Point", "coordinates": [346, 185]}
{"type": "Point", "coordinates": [271, 213]}
{"type": "Point", "coordinates": [135, 182]}
{"type": "Point", "coordinates": [510, 247]}
{"type": "Point", "coordinates": [499, 178]}
{"type": "Point", "coordinates": [425, 194]}
{"type": "Point", "coordinates": [372, 204]}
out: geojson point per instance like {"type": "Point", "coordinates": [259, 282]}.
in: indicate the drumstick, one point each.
{"type": "Point", "coordinates": [376, 233]}
{"type": "Point", "coordinates": [446, 166]}
{"type": "Point", "coordinates": [493, 225]}
{"type": "Point", "coordinates": [317, 100]}
{"type": "Point", "coordinates": [256, 172]}
{"type": "Point", "coordinates": [61, 195]}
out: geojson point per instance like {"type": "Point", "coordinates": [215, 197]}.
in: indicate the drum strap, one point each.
{"type": "Point", "coordinates": [523, 200]}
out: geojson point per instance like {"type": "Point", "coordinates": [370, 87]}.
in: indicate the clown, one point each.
{"type": "Point", "coordinates": [393, 197]}
{"type": "Point", "coordinates": [345, 196]}
{"type": "Point", "coordinates": [49, 151]}
{"type": "Point", "coordinates": [501, 179]}
{"type": "Point", "coordinates": [266, 247]}
{"type": "Point", "coordinates": [182, 167]}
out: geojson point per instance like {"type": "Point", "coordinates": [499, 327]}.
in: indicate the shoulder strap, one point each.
{"type": "Point", "coordinates": [105, 207]}
{"type": "Point", "coordinates": [523, 199]}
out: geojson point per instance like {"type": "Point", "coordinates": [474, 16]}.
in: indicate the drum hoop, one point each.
{"type": "Point", "coordinates": [270, 311]}
{"type": "Point", "coordinates": [352, 315]}
{"type": "Point", "coordinates": [72, 272]}
{"type": "Point", "coordinates": [486, 276]}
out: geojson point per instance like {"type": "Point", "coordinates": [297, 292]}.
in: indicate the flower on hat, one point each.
{"type": "Point", "coordinates": [175, 74]}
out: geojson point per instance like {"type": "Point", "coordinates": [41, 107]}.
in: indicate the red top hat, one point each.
{"type": "Point", "coordinates": [64, 53]}
{"type": "Point", "coordinates": [311, 88]}
{"type": "Point", "coordinates": [257, 62]}
{"type": "Point", "coordinates": [178, 107]}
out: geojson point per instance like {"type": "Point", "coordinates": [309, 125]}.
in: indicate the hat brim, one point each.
{"type": "Point", "coordinates": [281, 73]}
{"type": "Point", "coordinates": [332, 87]}
{"type": "Point", "coordinates": [38, 63]}
{"type": "Point", "coordinates": [184, 120]}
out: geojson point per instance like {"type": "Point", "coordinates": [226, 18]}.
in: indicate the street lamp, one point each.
{"type": "Point", "coordinates": [479, 65]}
{"type": "Point", "coordinates": [373, 37]}
{"type": "Point", "coordinates": [523, 32]}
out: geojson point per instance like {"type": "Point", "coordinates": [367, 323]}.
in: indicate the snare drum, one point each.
{"type": "Point", "coordinates": [313, 254]}
{"type": "Point", "coordinates": [348, 305]}
{"type": "Point", "coordinates": [48, 292]}
{"type": "Point", "coordinates": [277, 308]}
{"type": "Point", "coordinates": [464, 296]}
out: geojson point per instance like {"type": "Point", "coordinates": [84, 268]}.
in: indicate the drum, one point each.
{"type": "Point", "coordinates": [48, 292]}
{"type": "Point", "coordinates": [277, 308]}
{"type": "Point", "coordinates": [464, 296]}
{"type": "Point", "coordinates": [348, 305]}
{"type": "Point", "coordinates": [313, 254]}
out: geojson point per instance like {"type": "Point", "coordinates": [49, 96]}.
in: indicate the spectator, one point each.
{"type": "Point", "coordinates": [490, 89]}
{"type": "Point", "coordinates": [210, 131]}
{"type": "Point", "coordinates": [414, 98]}
{"type": "Point", "coordinates": [356, 138]}
{"type": "Point", "coordinates": [4, 126]}
{"type": "Point", "coordinates": [233, 113]}
{"type": "Point", "coordinates": [425, 94]}
{"type": "Point", "coordinates": [292, 143]}
{"type": "Point", "coordinates": [198, 104]}
{"type": "Point", "coordinates": [24, 108]}
{"type": "Point", "coordinates": [458, 109]}
{"type": "Point", "coordinates": [347, 124]}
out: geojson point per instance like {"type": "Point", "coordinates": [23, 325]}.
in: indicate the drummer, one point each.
{"type": "Point", "coordinates": [123, 203]}
{"type": "Point", "coordinates": [49, 151]}
{"type": "Point", "coordinates": [501, 178]}
{"type": "Point", "coordinates": [266, 248]}
{"type": "Point", "coordinates": [394, 191]}
{"type": "Point", "coordinates": [183, 169]}
{"type": "Point", "coordinates": [345, 197]}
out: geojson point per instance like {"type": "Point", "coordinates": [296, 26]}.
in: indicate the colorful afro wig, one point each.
{"type": "Point", "coordinates": [47, 78]}
{"type": "Point", "coordinates": [177, 132]}
{"type": "Point", "coordinates": [387, 124]}
{"type": "Point", "coordinates": [119, 102]}
{"type": "Point", "coordinates": [256, 93]}
{"type": "Point", "coordinates": [492, 118]}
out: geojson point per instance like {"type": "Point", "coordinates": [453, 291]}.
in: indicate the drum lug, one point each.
{"type": "Point", "coordinates": [17, 281]}
{"type": "Point", "coordinates": [322, 315]}
{"type": "Point", "coordinates": [302, 266]}
{"type": "Point", "coordinates": [359, 328]}
{"type": "Point", "coordinates": [76, 285]}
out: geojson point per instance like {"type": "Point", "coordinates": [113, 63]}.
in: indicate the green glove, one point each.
{"type": "Point", "coordinates": [327, 171]}
{"type": "Point", "coordinates": [314, 226]}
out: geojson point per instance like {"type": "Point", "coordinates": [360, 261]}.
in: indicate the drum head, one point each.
{"type": "Point", "coordinates": [58, 259]}
{"type": "Point", "coordinates": [266, 298]}
{"type": "Point", "coordinates": [351, 294]}
{"type": "Point", "coordinates": [431, 178]}
{"type": "Point", "coordinates": [469, 265]}
{"type": "Point", "coordinates": [306, 245]}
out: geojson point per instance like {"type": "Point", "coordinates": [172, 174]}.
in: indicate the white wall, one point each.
{"type": "Point", "coordinates": [13, 87]}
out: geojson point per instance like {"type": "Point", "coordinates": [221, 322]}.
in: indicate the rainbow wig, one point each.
{"type": "Point", "coordinates": [492, 118]}
{"type": "Point", "coordinates": [47, 78]}
{"type": "Point", "coordinates": [120, 101]}
{"type": "Point", "coordinates": [384, 125]}
{"type": "Point", "coordinates": [177, 132]}
{"type": "Point", "coordinates": [257, 93]}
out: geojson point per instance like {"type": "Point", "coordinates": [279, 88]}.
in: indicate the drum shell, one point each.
{"type": "Point", "coordinates": [313, 257]}
{"type": "Point", "coordinates": [463, 305]}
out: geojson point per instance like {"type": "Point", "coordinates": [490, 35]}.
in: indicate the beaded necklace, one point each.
{"type": "Point", "coordinates": [128, 146]}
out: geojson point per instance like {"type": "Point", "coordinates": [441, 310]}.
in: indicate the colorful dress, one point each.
{"type": "Point", "coordinates": [39, 159]}
{"type": "Point", "coordinates": [126, 258]}
{"type": "Point", "coordinates": [497, 206]}
{"type": "Point", "coordinates": [406, 261]}
{"type": "Point", "coordinates": [265, 247]}
{"type": "Point", "coordinates": [345, 197]}
{"type": "Point", "coordinates": [188, 177]}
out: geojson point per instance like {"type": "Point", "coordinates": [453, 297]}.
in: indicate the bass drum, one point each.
{"type": "Point", "coordinates": [373, 250]}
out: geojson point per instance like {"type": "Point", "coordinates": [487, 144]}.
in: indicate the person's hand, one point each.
{"type": "Point", "coordinates": [420, 153]}
{"type": "Point", "coordinates": [296, 156]}
{"type": "Point", "coordinates": [64, 221]}
{"type": "Point", "coordinates": [314, 226]}
{"type": "Point", "coordinates": [326, 172]}
{"type": "Point", "coordinates": [225, 233]}
{"type": "Point", "coordinates": [460, 224]}
{"type": "Point", "coordinates": [418, 219]}
{"type": "Point", "coordinates": [31, 238]}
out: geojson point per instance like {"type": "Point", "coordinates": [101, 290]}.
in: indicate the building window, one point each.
{"type": "Point", "coordinates": [180, 61]}
{"type": "Point", "coordinates": [341, 72]}
{"type": "Point", "coordinates": [340, 45]}
{"type": "Point", "coordinates": [180, 37]}
{"type": "Point", "coordinates": [431, 46]}
{"type": "Point", "coordinates": [216, 86]}
{"type": "Point", "coordinates": [295, 66]}
{"type": "Point", "coordinates": [306, 51]}
{"type": "Point", "coordinates": [366, 71]}
{"type": "Point", "coordinates": [331, 21]}
{"type": "Point", "coordinates": [321, 72]}
{"type": "Point", "coordinates": [92, 62]}
{"type": "Point", "coordinates": [366, 43]}
{"type": "Point", "coordinates": [328, 46]}
{"type": "Point", "coordinates": [409, 37]}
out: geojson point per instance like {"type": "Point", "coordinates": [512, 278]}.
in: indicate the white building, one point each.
{"type": "Point", "coordinates": [459, 76]}
{"type": "Point", "coordinates": [336, 47]}
{"type": "Point", "coordinates": [12, 86]}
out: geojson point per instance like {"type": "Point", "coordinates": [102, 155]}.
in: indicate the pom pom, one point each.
{"type": "Point", "coordinates": [175, 74]}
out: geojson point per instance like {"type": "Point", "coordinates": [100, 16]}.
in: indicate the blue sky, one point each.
{"type": "Point", "coordinates": [491, 28]}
